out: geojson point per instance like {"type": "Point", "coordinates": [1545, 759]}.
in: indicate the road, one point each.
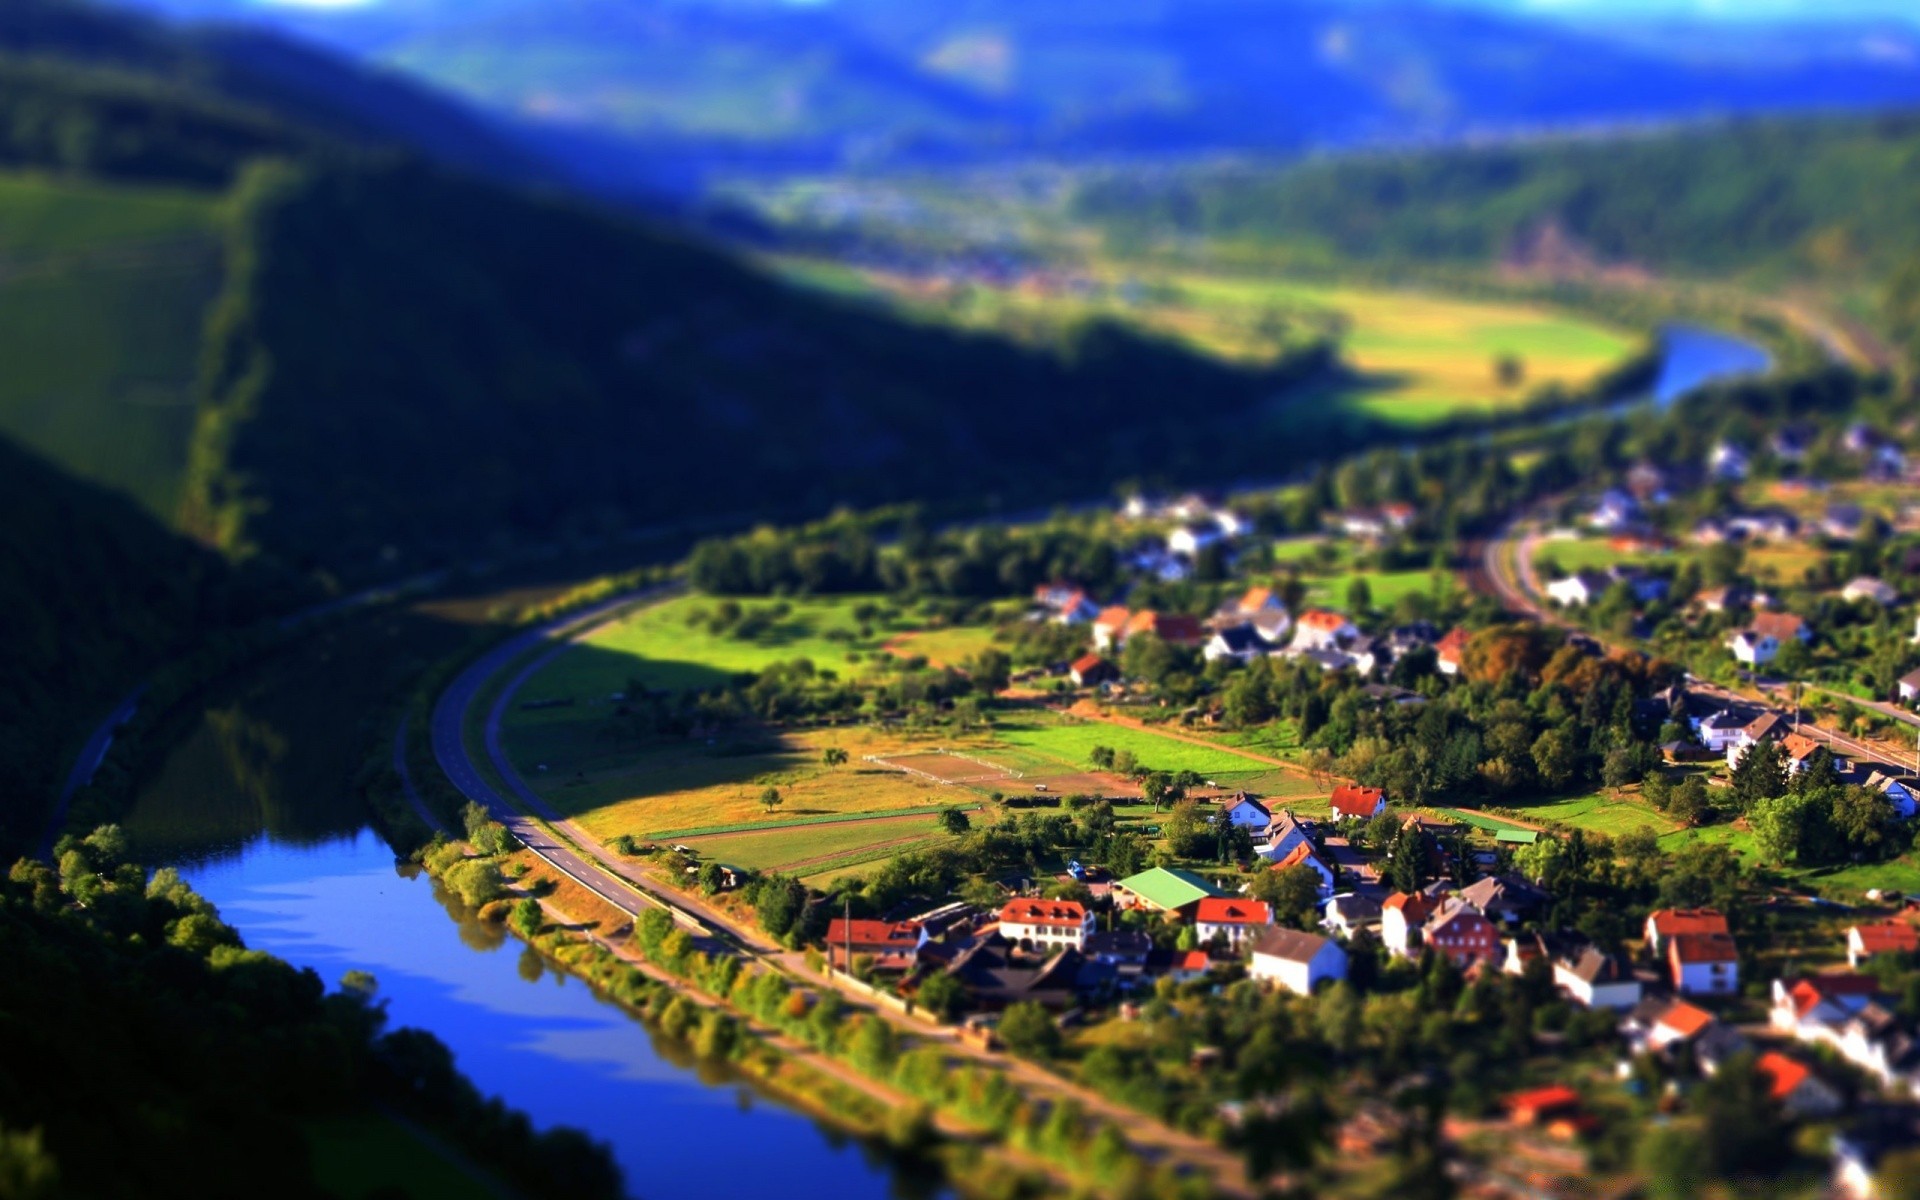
{"type": "Point", "coordinates": [87, 764]}
{"type": "Point", "coordinates": [581, 858]}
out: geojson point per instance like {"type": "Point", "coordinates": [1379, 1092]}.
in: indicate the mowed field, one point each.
{"type": "Point", "coordinates": [1419, 357]}
{"type": "Point", "coordinates": [104, 291]}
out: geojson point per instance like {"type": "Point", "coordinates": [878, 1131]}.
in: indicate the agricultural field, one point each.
{"type": "Point", "coordinates": [1416, 358]}
{"type": "Point", "coordinates": [1596, 553]}
{"type": "Point", "coordinates": [103, 293]}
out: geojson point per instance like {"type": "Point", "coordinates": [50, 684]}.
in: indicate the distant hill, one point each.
{"type": "Point", "coordinates": [865, 82]}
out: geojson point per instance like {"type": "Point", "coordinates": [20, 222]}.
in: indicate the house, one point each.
{"type": "Point", "coordinates": [1296, 961]}
{"type": "Point", "coordinates": [1303, 855]}
{"type": "Point", "coordinates": [1580, 588]}
{"type": "Point", "coordinates": [1719, 730]}
{"type": "Point", "coordinates": [1647, 483]}
{"type": "Point", "coordinates": [1660, 1023]}
{"type": "Point", "coordinates": [1616, 510]}
{"type": "Point", "coordinates": [1871, 590]}
{"type": "Point", "coordinates": [1402, 916]}
{"type": "Point", "coordinates": [994, 978]}
{"type": "Point", "coordinates": [1903, 790]}
{"type": "Point", "coordinates": [1804, 1005]}
{"type": "Point", "coordinates": [1110, 627]}
{"type": "Point", "coordinates": [1119, 947]}
{"type": "Point", "coordinates": [1321, 629]}
{"type": "Point", "coordinates": [1910, 686]}
{"type": "Point", "coordinates": [1505, 898]}
{"type": "Point", "coordinates": [1181, 966]}
{"type": "Point", "coordinates": [1767, 727]}
{"type": "Point", "coordinates": [1259, 601]}
{"type": "Point", "coordinates": [1724, 599]}
{"type": "Point", "coordinates": [1845, 1012]}
{"type": "Point", "coordinates": [1192, 537]}
{"type": "Point", "coordinates": [1046, 924]}
{"type": "Point", "coordinates": [1800, 749]}
{"type": "Point", "coordinates": [1796, 1089]}
{"type": "Point", "coordinates": [1451, 651]}
{"type": "Point", "coordinates": [1753, 648]}
{"type": "Point", "coordinates": [892, 945]}
{"type": "Point", "coordinates": [1462, 933]}
{"type": "Point", "coordinates": [1645, 586]}
{"type": "Point", "coordinates": [1230, 917]}
{"type": "Point", "coordinates": [1861, 1151]}
{"type": "Point", "coordinates": [1593, 978]}
{"type": "Point", "coordinates": [1704, 964]}
{"type": "Point", "coordinates": [1542, 1106]}
{"type": "Point", "coordinates": [1666, 922]}
{"type": "Point", "coordinates": [1171, 628]}
{"type": "Point", "coordinates": [1728, 462]}
{"type": "Point", "coordinates": [1248, 813]}
{"type": "Point", "coordinates": [1350, 913]}
{"type": "Point", "coordinates": [1092, 670]}
{"type": "Point", "coordinates": [1352, 802]}
{"type": "Point", "coordinates": [1792, 442]}
{"type": "Point", "coordinates": [1240, 643]}
{"type": "Point", "coordinates": [1163, 889]}
{"type": "Point", "coordinates": [1781, 626]}
{"type": "Point", "coordinates": [1065, 604]}
{"type": "Point", "coordinates": [1843, 522]}
{"type": "Point", "coordinates": [1881, 937]}
{"type": "Point", "coordinates": [1283, 835]}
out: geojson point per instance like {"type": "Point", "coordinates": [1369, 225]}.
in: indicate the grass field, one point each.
{"type": "Point", "coordinates": [103, 292]}
{"type": "Point", "coordinates": [789, 848]}
{"type": "Point", "coordinates": [1418, 357]}
{"type": "Point", "coordinates": [1600, 812]}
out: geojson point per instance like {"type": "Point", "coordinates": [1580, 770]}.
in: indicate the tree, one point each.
{"type": "Point", "coordinates": [833, 756]}
{"type": "Point", "coordinates": [1101, 757]}
{"type": "Point", "coordinates": [1294, 894]}
{"type": "Point", "coordinates": [1867, 820]}
{"type": "Point", "coordinates": [954, 821]}
{"type": "Point", "coordinates": [1689, 803]}
{"type": "Point", "coordinates": [1761, 774]}
{"type": "Point", "coordinates": [940, 994]}
{"type": "Point", "coordinates": [1029, 1031]}
{"type": "Point", "coordinates": [1360, 595]}
{"type": "Point", "coordinates": [771, 798]}
{"type": "Point", "coordinates": [526, 917]}
{"type": "Point", "coordinates": [1509, 370]}
{"type": "Point", "coordinates": [1556, 757]}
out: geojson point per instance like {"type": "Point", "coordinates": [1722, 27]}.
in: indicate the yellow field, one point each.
{"type": "Point", "coordinates": [1419, 357]}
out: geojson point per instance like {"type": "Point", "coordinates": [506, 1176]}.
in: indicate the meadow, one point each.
{"type": "Point", "coordinates": [1415, 358]}
{"type": "Point", "coordinates": [103, 293]}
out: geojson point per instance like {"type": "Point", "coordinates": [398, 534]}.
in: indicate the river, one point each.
{"type": "Point", "coordinates": [255, 806]}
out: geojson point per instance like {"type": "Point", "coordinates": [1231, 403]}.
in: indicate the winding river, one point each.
{"type": "Point", "coordinates": [252, 804]}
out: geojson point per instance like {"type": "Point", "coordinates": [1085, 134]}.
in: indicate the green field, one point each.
{"type": "Point", "coordinates": [1599, 812]}
{"type": "Point", "coordinates": [1049, 739]}
{"type": "Point", "coordinates": [103, 294]}
{"type": "Point", "coordinates": [1416, 357]}
{"type": "Point", "coordinates": [782, 849]}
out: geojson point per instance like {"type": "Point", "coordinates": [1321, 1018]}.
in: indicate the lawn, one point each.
{"type": "Point", "coordinates": [103, 294]}
{"type": "Point", "coordinates": [1600, 812]}
{"type": "Point", "coordinates": [1386, 587]}
{"type": "Point", "coordinates": [1574, 554]}
{"type": "Point", "coordinates": [1049, 738]}
{"type": "Point", "coordinates": [948, 647]}
{"type": "Point", "coordinates": [817, 845]}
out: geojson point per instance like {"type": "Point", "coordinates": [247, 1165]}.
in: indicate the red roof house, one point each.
{"type": "Point", "coordinates": [893, 945]}
{"type": "Point", "coordinates": [1354, 803]}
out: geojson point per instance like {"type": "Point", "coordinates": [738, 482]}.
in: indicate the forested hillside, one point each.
{"type": "Point", "coordinates": [1832, 200]}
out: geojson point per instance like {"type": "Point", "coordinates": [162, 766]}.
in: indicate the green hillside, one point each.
{"type": "Point", "coordinates": [103, 292]}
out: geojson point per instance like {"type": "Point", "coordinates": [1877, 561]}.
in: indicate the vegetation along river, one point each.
{"type": "Point", "coordinates": [255, 804]}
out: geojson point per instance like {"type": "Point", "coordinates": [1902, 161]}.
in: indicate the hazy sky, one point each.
{"type": "Point", "coordinates": [1732, 10]}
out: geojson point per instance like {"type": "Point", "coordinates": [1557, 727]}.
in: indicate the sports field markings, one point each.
{"type": "Point", "coordinates": [939, 766]}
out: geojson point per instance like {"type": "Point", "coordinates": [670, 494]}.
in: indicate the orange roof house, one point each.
{"type": "Point", "coordinates": [1069, 914]}
{"type": "Point", "coordinates": [1881, 937]}
{"type": "Point", "coordinates": [1779, 626]}
{"type": "Point", "coordinates": [1542, 1104]}
{"type": "Point", "coordinates": [1322, 620]}
{"type": "Point", "coordinates": [1668, 922]}
{"type": "Point", "coordinates": [1229, 910]}
{"type": "Point", "coordinates": [1352, 802]}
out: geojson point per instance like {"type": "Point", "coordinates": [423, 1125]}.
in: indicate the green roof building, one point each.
{"type": "Point", "coordinates": [1520, 837]}
{"type": "Point", "coordinates": [1164, 888]}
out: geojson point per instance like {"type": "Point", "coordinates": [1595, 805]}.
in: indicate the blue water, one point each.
{"type": "Point", "coordinates": [540, 1040]}
{"type": "Point", "coordinates": [1692, 357]}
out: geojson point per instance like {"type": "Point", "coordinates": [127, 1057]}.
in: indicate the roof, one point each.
{"type": "Point", "coordinates": [1289, 945]}
{"type": "Point", "coordinates": [1911, 678]}
{"type": "Point", "coordinates": [1254, 598]}
{"type": "Point", "coordinates": [1886, 937]}
{"type": "Point", "coordinates": [1226, 910]}
{"type": "Point", "coordinates": [1066, 913]}
{"type": "Point", "coordinates": [1779, 626]}
{"type": "Point", "coordinates": [1667, 922]}
{"type": "Point", "coordinates": [1250, 802]}
{"type": "Point", "coordinates": [1784, 1074]}
{"type": "Point", "coordinates": [1685, 1019]}
{"type": "Point", "coordinates": [1703, 948]}
{"type": "Point", "coordinates": [1350, 800]}
{"type": "Point", "coordinates": [1323, 620]}
{"type": "Point", "coordinates": [1456, 911]}
{"type": "Point", "coordinates": [891, 935]}
{"type": "Point", "coordinates": [1113, 617]}
{"type": "Point", "coordinates": [1451, 646]}
{"type": "Point", "coordinates": [1088, 662]}
{"type": "Point", "coordinates": [1300, 856]}
{"type": "Point", "coordinates": [1416, 907]}
{"type": "Point", "coordinates": [1524, 837]}
{"type": "Point", "coordinates": [1241, 638]}
{"type": "Point", "coordinates": [1120, 942]}
{"type": "Point", "coordinates": [1558, 1095]}
{"type": "Point", "coordinates": [1799, 746]}
{"type": "Point", "coordinates": [1505, 891]}
{"type": "Point", "coordinates": [1808, 992]}
{"type": "Point", "coordinates": [1764, 726]}
{"type": "Point", "coordinates": [1194, 960]}
{"type": "Point", "coordinates": [1167, 887]}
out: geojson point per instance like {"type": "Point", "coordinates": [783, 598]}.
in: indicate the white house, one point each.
{"type": "Point", "coordinates": [1232, 918]}
{"type": "Point", "coordinates": [1240, 643]}
{"type": "Point", "coordinates": [1349, 913]}
{"type": "Point", "coordinates": [1728, 462]}
{"type": "Point", "coordinates": [1615, 511]}
{"type": "Point", "coordinates": [1284, 836]}
{"type": "Point", "coordinates": [1249, 813]}
{"type": "Point", "coordinates": [1903, 790]}
{"type": "Point", "coordinates": [1752, 648]}
{"type": "Point", "coordinates": [1865, 587]}
{"type": "Point", "coordinates": [1046, 924]}
{"type": "Point", "coordinates": [1718, 730]}
{"type": "Point", "coordinates": [1400, 916]}
{"type": "Point", "coordinates": [1193, 537]}
{"type": "Point", "coordinates": [1298, 962]}
{"type": "Point", "coordinates": [1767, 727]}
{"type": "Point", "coordinates": [1596, 979]}
{"type": "Point", "coordinates": [1581, 587]}
{"type": "Point", "coordinates": [1320, 629]}
{"type": "Point", "coordinates": [1910, 686]}
{"type": "Point", "coordinates": [1065, 604]}
{"type": "Point", "coordinates": [1351, 802]}
{"type": "Point", "coordinates": [1704, 964]}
